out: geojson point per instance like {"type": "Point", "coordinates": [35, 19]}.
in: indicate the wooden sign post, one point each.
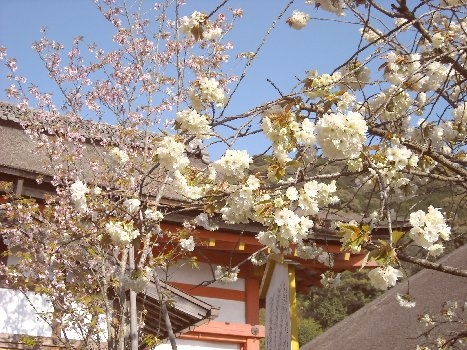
{"type": "Point", "coordinates": [279, 290]}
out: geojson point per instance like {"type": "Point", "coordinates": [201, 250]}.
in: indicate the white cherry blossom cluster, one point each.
{"type": "Point", "coordinates": [345, 101]}
{"type": "Point", "coordinates": [207, 90]}
{"type": "Point", "coordinates": [118, 156]}
{"type": "Point", "coordinates": [330, 279]}
{"type": "Point", "coordinates": [198, 26]}
{"type": "Point", "coordinates": [334, 6]}
{"type": "Point", "coordinates": [460, 116]}
{"type": "Point", "coordinates": [286, 215]}
{"type": "Point", "coordinates": [188, 244]}
{"type": "Point", "coordinates": [386, 165]}
{"type": "Point", "coordinates": [438, 40]}
{"type": "Point", "coordinates": [384, 277]}
{"type": "Point", "coordinates": [441, 136]}
{"type": "Point", "coordinates": [450, 309]}
{"type": "Point", "coordinates": [326, 259]}
{"type": "Point", "coordinates": [121, 233]}
{"type": "Point", "coordinates": [315, 194]}
{"type": "Point", "coordinates": [408, 70]}
{"type": "Point", "coordinates": [341, 135]}
{"type": "Point", "coordinates": [286, 133]}
{"type": "Point", "coordinates": [291, 227]}
{"type": "Point", "coordinates": [313, 252]}
{"type": "Point", "coordinates": [320, 86]}
{"type": "Point", "coordinates": [233, 164]}
{"type": "Point", "coordinates": [212, 33]}
{"type": "Point", "coordinates": [179, 184]}
{"type": "Point", "coordinates": [171, 154]}
{"type": "Point", "coordinates": [401, 157]}
{"type": "Point", "coordinates": [304, 133]}
{"type": "Point", "coordinates": [188, 24]}
{"type": "Point", "coordinates": [153, 214]}
{"type": "Point", "coordinates": [426, 320]}
{"type": "Point", "coordinates": [450, 38]}
{"type": "Point", "coordinates": [371, 35]}
{"type": "Point", "coordinates": [355, 75]}
{"type": "Point", "coordinates": [78, 196]}
{"type": "Point", "coordinates": [298, 20]}
{"type": "Point", "coordinates": [268, 239]}
{"type": "Point", "coordinates": [238, 207]}
{"type": "Point", "coordinates": [131, 205]}
{"type": "Point", "coordinates": [286, 227]}
{"type": "Point", "coordinates": [204, 221]}
{"type": "Point", "coordinates": [427, 228]}
{"type": "Point", "coordinates": [139, 280]}
{"type": "Point", "coordinates": [307, 251]}
{"type": "Point", "coordinates": [391, 104]}
{"type": "Point", "coordinates": [193, 123]}
{"type": "Point", "coordinates": [259, 258]}
{"type": "Point", "coordinates": [226, 274]}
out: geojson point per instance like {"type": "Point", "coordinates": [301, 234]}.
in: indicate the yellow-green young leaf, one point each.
{"type": "Point", "coordinates": [29, 341]}
{"type": "Point", "coordinates": [396, 235]}
{"type": "Point", "coordinates": [6, 186]}
{"type": "Point", "coordinates": [151, 340]}
{"type": "Point", "coordinates": [87, 299]}
{"type": "Point", "coordinates": [365, 260]}
{"type": "Point", "coordinates": [385, 254]}
{"type": "Point", "coordinates": [374, 255]}
{"type": "Point", "coordinates": [197, 32]}
{"type": "Point", "coordinates": [289, 106]}
{"type": "Point", "coordinates": [277, 171]}
{"type": "Point", "coordinates": [294, 163]}
{"type": "Point", "coordinates": [366, 228]}
{"type": "Point", "coordinates": [327, 106]}
{"type": "Point", "coordinates": [193, 262]}
{"type": "Point", "coordinates": [92, 251]}
{"type": "Point", "coordinates": [340, 92]}
{"type": "Point", "coordinates": [209, 208]}
{"type": "Point", "coordinates": [40, 289]}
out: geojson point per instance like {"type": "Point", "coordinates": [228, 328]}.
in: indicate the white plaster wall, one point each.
{"type": "Point", "coordinates": [230, 310]}
{"type": "Point", "coordinates": [199, 345]}
{"type": "Point", "coordinates": [19, 313]}
{"type": "Point", "coordinates": [18, 316]}
{"type": "Point", "coordinates": [184, 273]}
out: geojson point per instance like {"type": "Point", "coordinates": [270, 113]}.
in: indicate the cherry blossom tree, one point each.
{"type": "Point", "coordinates": [373, 136]}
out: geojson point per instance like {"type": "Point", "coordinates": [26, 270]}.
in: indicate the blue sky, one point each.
{"type": "Point", "coordinates": [288, 53]}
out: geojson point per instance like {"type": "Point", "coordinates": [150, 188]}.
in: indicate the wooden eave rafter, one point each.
{"type": "Point", "coordinates": [185, 311]}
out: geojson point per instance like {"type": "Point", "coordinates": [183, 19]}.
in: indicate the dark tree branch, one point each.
{"type": "Point", "coordinates": [432, 265]}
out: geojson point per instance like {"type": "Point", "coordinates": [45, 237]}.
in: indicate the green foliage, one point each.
{"type": "Point", "coordinates": [330, 305]}
{"type": "Point", "coordinates": [29, 341]}
{"type": "Point", "coordinates": [308, 329]}
{"type": "Point", "coordinates": [329, 310]}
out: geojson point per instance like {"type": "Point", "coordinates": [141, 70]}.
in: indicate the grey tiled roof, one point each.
{"type": "Point", "coordinates": [8, 112]}
{"type": "Point", "coordinates": [19, 152]}
{"type": "Point", "coordinates": [384, 325]}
